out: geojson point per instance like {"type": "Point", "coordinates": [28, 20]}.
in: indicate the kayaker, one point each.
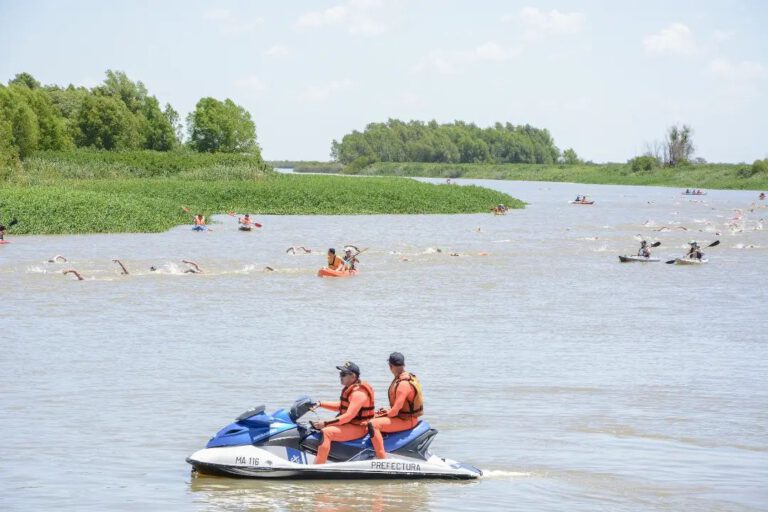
{"type": "Point", "coordinates": [761, 196]}
{"type": "Point", "coordinates": [125, 270]}
{"type": "Point", "coordinates": [694, 252]}
{"type": "Point", "coordinates": [644, 251]}
{"type": "Point", "coordinates": [2, 232]}
{"type": "Point", "coordinates": [195, 270]}
{"type": "Point", "coordinates": [199, 219]}
{"type": "Point", "coordinates": [406, 404]}
{"type": "Point", "coordinates": [350, 259]}
{"type": "Point", "coordinates": [245, 220]}
{"type": "Point", "coordinates": [77, 274]}
{"type": "Point", "coordinates": [334, 262]}
{"type": "Point", "coordinates": [355, 407]}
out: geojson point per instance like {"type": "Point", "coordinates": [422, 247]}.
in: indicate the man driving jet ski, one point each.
{"type": "Point", "coordinates": [355, 407]}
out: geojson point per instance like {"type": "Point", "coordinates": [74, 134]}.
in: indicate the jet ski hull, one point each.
{"type": "Point", "coordinates": [258, 462]}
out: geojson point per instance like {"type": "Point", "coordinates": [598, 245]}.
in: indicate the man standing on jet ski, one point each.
{"type": "Point", "coordinates": [355, 407]}
{"type": "Point", "coordinates": [406, 404]}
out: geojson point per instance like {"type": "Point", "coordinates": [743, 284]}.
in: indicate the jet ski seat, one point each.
{"type": "Point", "coordinates": [412, 443]}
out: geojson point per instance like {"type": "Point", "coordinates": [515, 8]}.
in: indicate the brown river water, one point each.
{"type": "Point", "coordinates": [574, 381]}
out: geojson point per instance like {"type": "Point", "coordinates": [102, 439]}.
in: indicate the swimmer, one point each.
{"type": "Point", "coordinates": [77, 274]}
{"type": "Point", "coordinates": [294, 250]}
{"type": "Point", "coordinates": [125, 270]}
{"type": "Point", "coordinates": [195, 270]}
{"type": "Point", "coordinates": [56, 259]}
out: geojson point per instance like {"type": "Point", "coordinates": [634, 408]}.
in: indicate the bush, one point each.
{"type": "Point", "coordinates": [760, 166]}
{"type": "Point", "coordinates": [643, 163]}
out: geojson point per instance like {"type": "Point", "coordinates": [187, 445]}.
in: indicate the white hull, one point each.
{"type": "Point", "coordinates": [638, 259]}
{"type": "Point", "coordinates": [270, 462]}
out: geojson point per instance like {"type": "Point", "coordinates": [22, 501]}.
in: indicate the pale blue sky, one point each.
{"type": "Point", "coordinates": [605, 78]}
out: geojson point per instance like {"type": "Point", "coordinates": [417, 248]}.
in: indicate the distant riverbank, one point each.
{"type": "Point", "coordinates": [722, 176]}
{"type": "Point", "coordinates": [61, 193]}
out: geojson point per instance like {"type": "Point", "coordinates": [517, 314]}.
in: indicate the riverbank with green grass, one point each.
{"type": "Point", "coordinates": [709, 176]}
{"type": "Point", "coordinates": [65, 194]}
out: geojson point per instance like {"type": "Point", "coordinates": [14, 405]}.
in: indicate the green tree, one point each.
{"type": "Point", "coordinates": [225, 127]}
{"type": "Point", "coordinates": [570, 157]}
{"type": "Point", "coordinates": [678, 148]}
{"type": "Point", "coordinates": [26, 80]}
{"type": "Point", "coordinates": [104, 122]}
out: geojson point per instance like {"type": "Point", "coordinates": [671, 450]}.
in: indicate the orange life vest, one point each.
{"type": "Point", "coordinates": [334, 261]}
{"type": "Point", "coordinates": [412, 408]}
{"type": "Point", "coordinates": [366, 411]}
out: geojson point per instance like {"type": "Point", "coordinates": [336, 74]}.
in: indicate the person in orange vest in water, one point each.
{"type": "Point", "coordinates": [334, 262]}
{"type": "Point", "coordinates": [355, 407]}
{"type": "Point", "coordinates": [406, 404]}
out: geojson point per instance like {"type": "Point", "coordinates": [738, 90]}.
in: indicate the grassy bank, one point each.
{"type": "Point", "coordinates": [57, 194]}
{"type": "Point", "coordinates": [49, 167]}
{"type": "Point", "coordinates": [724, 176]}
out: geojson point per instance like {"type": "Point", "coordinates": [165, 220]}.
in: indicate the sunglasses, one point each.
{"type": "Point", "coordinates": [344, 374]}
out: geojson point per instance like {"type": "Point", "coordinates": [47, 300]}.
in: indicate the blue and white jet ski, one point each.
{"type": "Point", "coordinates": [261, 445]}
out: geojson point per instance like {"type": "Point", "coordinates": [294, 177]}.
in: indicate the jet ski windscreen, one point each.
{"type": "Point", "coordinates": [300, 407]}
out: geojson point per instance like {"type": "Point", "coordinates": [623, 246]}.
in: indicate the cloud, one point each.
{"type": "Point", "coordinates": [277, 51]}
{"type": "Point", "coordinates": [359, 17]}
{"type": "Point", "coordinates": [252, 83]}
{"type": "Point", "coordinates": [720, 36]}
{"type": "Point", "coordinates": [746, 70]}
{"type": "Point", "coordinates": [457, 62]}
{"type": "Point", "coordinates": [539, 23]}
{"type": "Point", "coordinates": [320, 93]}
{"type": "Point", "coordinates": [230, 23]}
{"type": "Point", "coordinates": [676, 39]}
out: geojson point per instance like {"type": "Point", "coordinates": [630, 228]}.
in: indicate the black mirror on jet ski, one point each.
{"type": "Point", "coordinates": [301, 407]}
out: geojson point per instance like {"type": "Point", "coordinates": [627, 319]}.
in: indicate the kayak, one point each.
{"type": "Point", "coordinates": [582, 202]}
{"type": "Point", "coordinates": [245, 228]}
{"type": "Point", "coordinates": [690, 261]}
{"type": "Point", "coordinates": [199, 228]}
{"type": "Point", "coordinates": [329, 272]}
{"type": "Point", "coordinates": [4, 242]}
{"type": "Point", "coordinates": [689, 194]}
{"type": "Point", "coordinates": [641, 259]}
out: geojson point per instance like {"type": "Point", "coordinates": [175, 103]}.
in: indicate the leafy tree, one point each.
{"type": "Point", "coordinates": [175, 121]}
{"type": "Point", "coordinates": [105, 122]}
{"type": "Point", "coordinates": [225, 127]}
{"type": "Point", "coordinates": [678, 145]}
{"type": "Point", "coordinates": [415, 141]}
{"type": "Point", "coordinates": [570, 157]}
{"type": "Point", "coordinates": [26, 80]}
{"type": "Point", "coordinates": [643, 163]}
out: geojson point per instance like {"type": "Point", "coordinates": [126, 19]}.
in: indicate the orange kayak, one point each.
{"type": "Point", "coordinates": [328, 272]}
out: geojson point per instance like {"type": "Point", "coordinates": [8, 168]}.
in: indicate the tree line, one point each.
{"type": "Point", "coordinates": [118, 114]}
{"type": "Point", "coordinates": [457, 142]}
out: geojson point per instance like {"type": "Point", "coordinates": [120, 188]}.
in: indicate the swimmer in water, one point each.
{"type": "Point", "coordinates": [125, 270]}
{"type": "Point", "coordinates": [77, 274]}
{"type": "Point", "coordinates": [195, 270]}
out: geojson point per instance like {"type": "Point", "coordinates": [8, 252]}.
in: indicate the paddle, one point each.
{"type": "Point", "coordinates": [713, 244]}
{"type": "Point", "coordinates": [655, 244]}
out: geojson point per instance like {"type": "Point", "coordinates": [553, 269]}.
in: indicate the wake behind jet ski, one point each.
{"type": "Point", "coordinates": [276, 445]}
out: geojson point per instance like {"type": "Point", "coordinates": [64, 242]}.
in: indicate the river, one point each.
{"type": "Point", "coordinates": [575, 382]}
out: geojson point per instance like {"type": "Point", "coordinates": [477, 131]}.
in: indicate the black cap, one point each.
{"type": "Point", "coordinates": [349, 366]}
{"type": "Point", "coordinates": [396, 359]}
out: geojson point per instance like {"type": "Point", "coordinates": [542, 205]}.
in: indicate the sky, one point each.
{"type": "Point", "coordinates": [606, 78]}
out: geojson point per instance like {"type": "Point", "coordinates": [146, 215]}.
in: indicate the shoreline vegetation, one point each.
{"type": "Point", "coordinates": [86, 191]}
{"type": "Point", "coordinates": [709, 176]}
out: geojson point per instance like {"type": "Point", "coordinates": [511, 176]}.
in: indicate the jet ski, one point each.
{"type": "Point", "coordinates": [276, 445]}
